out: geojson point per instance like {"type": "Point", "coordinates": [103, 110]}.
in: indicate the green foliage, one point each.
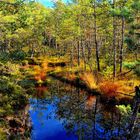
{"type": "Point", "coordinates": [10, 70]}
{"type": "Point", "coordinates": [107, 71]}
{"type": "Point", "coordinates": [26, 83]}
{"type": "Point", "coordinates": [137, 70]}
{"type": "Point", "coordinates": [8, 86]}
{"type": "Point", "coordinates": [136, 5]}
{"type": "Point", "coordinates": [4, 56]}
{"type": "Point", "coordinates": [18, 55]}
{"type": "Point", "coordinates": [131, 65]}
{"type": "Point", "coordinates": [25, 62]}
{"type": "Point", "coordinates": [12, 94]}
{"type": "Point", "coordinates": [125, 112]}
{"type": "Point", "coordinates": [132, 38]}
{"type": "Point", "coordinates": [115, 12]}
{"type": "Point", "coordinates": [125, 12]}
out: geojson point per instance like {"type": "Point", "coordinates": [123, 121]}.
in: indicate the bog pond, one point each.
{"type": "Point", "coordinates": [64, 112]}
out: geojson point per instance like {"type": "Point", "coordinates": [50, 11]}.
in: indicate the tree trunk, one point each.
{"type": "Point", "coordinates": [135, 109]}
{"type": "Point", "coordinates": [71, 56]}
{"type": "Point", "coordinates": [114, 43]}
{"type": "Point", "coordinates": [134, 115]}
{"type": "Point", "coordinates": [83, 53]}
{"type": "Point", "coordinates": [122, 43]}
{"type": "Point", "coordinates": [95, 39]}
{"type": "Point", "coordinates": [78, 49]}
{"type": "Point", "coordinates": [89, 51]}
{"type": "Point", "coordinates": [32, 51]}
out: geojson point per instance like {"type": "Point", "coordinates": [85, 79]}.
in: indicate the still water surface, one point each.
{"type": "Point", "coordinates": [62, 112]}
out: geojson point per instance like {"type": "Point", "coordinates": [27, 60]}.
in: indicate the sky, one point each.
{"type": "Point", "coordinates": [49, 3]}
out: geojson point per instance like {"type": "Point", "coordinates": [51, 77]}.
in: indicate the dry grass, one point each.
{"type": "Point", "coordinates": [40, 71]}
{"type": "Point", "coordinates": [90, 80]}
{"type": "Point", "coordinates": [120, 88]}
{"type": "Point", "coordinates": [71, 76]}
{"type": "Point", "coordinates": [109, 88]}
{"type": "Point", "coordinates": [44, 65]}
{"type": "Point", "coordinates": [127, 87]}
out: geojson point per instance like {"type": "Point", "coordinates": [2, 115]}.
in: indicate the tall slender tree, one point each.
{"type": "Point", "coordinates": [114, 41]}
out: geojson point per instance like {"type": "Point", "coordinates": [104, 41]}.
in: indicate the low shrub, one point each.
{"type": "Point", "coordinates": [9, 69]}
{"type": "Point", "coordinates": [4, 56]}
{"type": "Point", "coordinates": [125, 112]}
{"type": "Point", "coordinates": [12, 95]}
{"type": "Point", "coordinates": [18, 55]}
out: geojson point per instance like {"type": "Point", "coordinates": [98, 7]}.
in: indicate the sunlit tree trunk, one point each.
{"type": "Point", "coordinates": [122, 43]}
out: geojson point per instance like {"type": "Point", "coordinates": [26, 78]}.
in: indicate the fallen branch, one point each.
{"type": "Point", "coordinates": [121, 74]}
{"type": "Point", "coordinates": [127, 94]}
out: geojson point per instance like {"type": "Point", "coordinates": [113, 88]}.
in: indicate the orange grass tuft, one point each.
{"type": "Point", "coordinates": [109, 88]}
{"type": "Point", "coordinates": [40, 72]}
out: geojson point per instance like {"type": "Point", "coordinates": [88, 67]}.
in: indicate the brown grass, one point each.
{"type": "Point", "coordinates": [109, 88]}
{"type": "Point", "coordinates": [120, 88]}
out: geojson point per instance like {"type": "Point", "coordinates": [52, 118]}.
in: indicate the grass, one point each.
{"type": "Point", "coordinates": [93, 80]}
{"type": "Point", "coordinates": [89, 79]}
{"type": "Point", "coordinates": [109, 88]}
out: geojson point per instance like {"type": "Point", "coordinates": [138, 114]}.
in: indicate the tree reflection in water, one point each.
{"type": "Point", "coordinates": [70, 113]}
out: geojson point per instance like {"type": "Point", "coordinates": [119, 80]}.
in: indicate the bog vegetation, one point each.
{"type": "Point", "coordinates": [95, 43]}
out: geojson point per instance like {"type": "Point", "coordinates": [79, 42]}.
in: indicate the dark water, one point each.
{"type": "Point", "coordinates": [62, 112]}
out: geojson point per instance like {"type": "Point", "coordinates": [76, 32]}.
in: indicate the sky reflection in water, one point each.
{"type": "Point", "coordinates": [45, 124]}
